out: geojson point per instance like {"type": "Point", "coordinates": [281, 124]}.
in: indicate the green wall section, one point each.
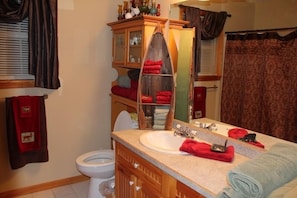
{"type": "Point", "coordinates": [184, 76]}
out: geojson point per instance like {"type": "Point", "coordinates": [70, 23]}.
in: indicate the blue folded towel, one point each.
{"type": "Point", "coordinates": [258, 177]}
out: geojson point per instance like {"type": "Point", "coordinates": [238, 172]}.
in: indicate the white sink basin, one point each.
{"type": "Point", "coordinates": [163, 141]}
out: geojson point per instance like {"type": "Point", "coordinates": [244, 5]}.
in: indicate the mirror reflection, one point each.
{"type": "Point", "coordinates": [250, 17]}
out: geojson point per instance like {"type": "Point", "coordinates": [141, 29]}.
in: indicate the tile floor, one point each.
{"type": "Point", "coordinates": [77, 190]}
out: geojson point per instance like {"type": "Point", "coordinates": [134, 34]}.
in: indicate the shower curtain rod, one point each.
{"type": "Point", "coordinates": [202, 11]}
{"type": "Point", "coordinates": [263, 30]}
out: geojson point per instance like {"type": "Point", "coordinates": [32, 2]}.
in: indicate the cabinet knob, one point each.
{"type": "Point", "coordinates": [136, 165]}
{"type": "Point", "coordinates": [137, 188]}
{"type": "Point", "coordinates": [131, 183]}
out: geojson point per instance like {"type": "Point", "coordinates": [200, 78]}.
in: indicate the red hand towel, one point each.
{"type": "Point", "coordinates": [27, 127]}
{"type": "Point", "coordinates": [201, 149]}
{"type": "Point", "coordinates": [240, 133]}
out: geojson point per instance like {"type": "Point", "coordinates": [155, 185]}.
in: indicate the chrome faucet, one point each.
{"type": "Point", "coordinates": [210, 127]}
{"type": "Point", "coordinates": [184, 131]}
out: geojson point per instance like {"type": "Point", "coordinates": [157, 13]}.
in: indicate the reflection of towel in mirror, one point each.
{"type": "Point", "coordinates": [258, 177]}
{"type": "Point", "coordinates": [240, 133]}
{"type": "Point", "coordinates": [199, 103]}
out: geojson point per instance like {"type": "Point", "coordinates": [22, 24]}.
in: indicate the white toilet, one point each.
{"type": "Point", "coordinates": [99, 165]}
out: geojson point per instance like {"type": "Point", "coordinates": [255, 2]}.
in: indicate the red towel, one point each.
{"type": "Point", "coordinates": [237, 133]}
{"type": "Point", "coordinates": [199, 105]}
{"type": "Point", "coordinates": [201, 149]}
{"type": "Point", "coordinates": [147, 99]}
{"type": "Point", "coordinates": [151, 62]}
{"type": "Point", "coordinates": [151, 71]}
{"type": "Point", "coordinates": [26, 130]}
{"type": "Point", "coordinates": [163, 98]}
{"type": "Point", "coordinates": [152, 67]}
{"type": "Point", "coordinates": [240, 133]}
{"type": "Point", "coordinates": [164, 93]}
{"type": "Point", "coordinates": [27, 122]}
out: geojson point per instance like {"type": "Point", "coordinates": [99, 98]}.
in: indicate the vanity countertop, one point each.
{"type": "Point", "coordinates": [206, 176]}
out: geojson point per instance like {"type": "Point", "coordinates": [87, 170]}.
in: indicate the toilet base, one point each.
{"type": "Point", "coordinates": [95, 186]}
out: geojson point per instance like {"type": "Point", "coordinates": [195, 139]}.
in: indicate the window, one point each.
{"type": "Point", "coordinates": [14, 51]}
{"type": "Point", "coordinates": [208, 60]}
{"type": "Point", "coordinates": [211, 59]}
{"type": "Point", "coordinates": [14, 55]}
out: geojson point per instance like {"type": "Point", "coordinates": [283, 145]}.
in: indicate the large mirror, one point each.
{"type": "Point", "coordinates": [245, 15]}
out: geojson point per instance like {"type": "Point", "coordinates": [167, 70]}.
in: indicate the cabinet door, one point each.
{"type": "Point", "coordinates": [135, 49]}
{"type": "Point", "coordinates": [119, 46]}
{"type": "Point", "coordinates": [125, 182]}
{"type": "Point", "coordinates": [184, 191]}
{"type": "Point", "coordinates": [146, 191]}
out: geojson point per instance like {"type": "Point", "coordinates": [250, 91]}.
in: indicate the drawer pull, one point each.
{"type": "Point", "coordinates": [137, 188]}
{"type": "Point", "coordinates": [136, 165]}
{"type": "Point", "coordinates": [131, 183]}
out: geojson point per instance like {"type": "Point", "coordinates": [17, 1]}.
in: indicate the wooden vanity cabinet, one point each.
{"type": "Point", "coordinates": [183, 191]}
{"type": "Point", "coordinates": [137, 178]}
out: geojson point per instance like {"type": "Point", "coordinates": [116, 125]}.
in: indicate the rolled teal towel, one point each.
{"type": "Point", "coordinates": [258, 177]}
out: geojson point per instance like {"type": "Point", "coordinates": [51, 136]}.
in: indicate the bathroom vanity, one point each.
{"type": "Point", "coordinates": [137, 177]}
{"type": "Point", "coordinates": [144, 172]}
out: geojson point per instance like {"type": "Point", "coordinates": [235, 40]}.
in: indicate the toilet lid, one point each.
{"type": "Point", "coordinates": [123, 121]}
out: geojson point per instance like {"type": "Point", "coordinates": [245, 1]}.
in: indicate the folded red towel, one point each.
{"type": "Point", "coordinates": [151, 62]}
{"type": "Point", "coordinates": [151, 71]}
{"type": "Point", "coordinates": [240, 133]}
{"type": "Point", "coordinates": [152, 67]}
{"type": "Point", "coordinates": [201, 149]}
{"type": "Point", "coordinates": [164, 93]}
{"type": "Point", "coordinates": [163, 98]}
{"type": "Point", "coordinates": [147, 99]}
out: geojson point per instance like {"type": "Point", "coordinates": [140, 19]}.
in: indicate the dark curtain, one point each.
{"type": "Point", "coordinates": [207, 27]}
{"type": "Point", "coordinates": [43, 57]}
{"type": "Point", "coordinates": [260, 83]}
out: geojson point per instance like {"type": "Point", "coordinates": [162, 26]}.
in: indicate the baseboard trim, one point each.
{"type": "Point", "coordinates": [43, 186]}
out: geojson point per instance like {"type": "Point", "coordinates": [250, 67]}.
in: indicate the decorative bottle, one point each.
{"type": "Point", "coordinates": [158, 10]}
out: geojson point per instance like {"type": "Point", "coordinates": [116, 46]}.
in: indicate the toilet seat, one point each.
{"type": "Point", "coordinates": [123, 121]}
{"type": "Point", "coordinates": [96, 158]}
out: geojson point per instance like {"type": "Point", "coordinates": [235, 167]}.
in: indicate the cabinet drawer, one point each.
{"type": "Point", "coordinates": [150, 174]}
